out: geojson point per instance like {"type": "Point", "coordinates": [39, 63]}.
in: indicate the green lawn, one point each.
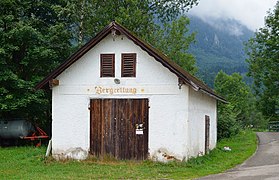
{"type": "Point", "coordinates": [29, 163]}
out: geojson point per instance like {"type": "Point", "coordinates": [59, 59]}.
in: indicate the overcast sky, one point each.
{"type": "Point", "coordinates": [249, 12]}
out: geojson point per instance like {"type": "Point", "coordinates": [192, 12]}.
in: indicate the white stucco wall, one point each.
{"type": "Point", "coordinates": [200, 105]}
{"type": "Point", "coordinates": [169, 105]}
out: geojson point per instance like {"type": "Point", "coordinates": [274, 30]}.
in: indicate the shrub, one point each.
{"type": "Point", "coordinates": [227, 125]}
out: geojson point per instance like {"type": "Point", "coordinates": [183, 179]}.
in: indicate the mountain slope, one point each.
{"type": "Point", "coordinates": [219, 46]}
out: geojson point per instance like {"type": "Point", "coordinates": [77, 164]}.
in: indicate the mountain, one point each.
{"type": "Point", "coordinates": [219, 46]}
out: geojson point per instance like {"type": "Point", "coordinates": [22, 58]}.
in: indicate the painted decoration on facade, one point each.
{"type": "Point", "coordinates": [116, 90]}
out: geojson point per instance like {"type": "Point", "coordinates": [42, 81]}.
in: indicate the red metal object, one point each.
{"type": "Point", "coordinates": [38, 135]}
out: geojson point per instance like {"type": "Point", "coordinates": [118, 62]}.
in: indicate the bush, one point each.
{"type": "Point", "coordinates": [227, 125]}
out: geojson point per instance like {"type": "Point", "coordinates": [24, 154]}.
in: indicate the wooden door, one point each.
{"type": "Point", "coordinates": [207, 133]}
{"type": "Point", "coordinates": [119, 127]}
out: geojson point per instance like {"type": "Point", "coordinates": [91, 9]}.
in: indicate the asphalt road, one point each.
{"type": "Point", "coordinates": [263, 165]}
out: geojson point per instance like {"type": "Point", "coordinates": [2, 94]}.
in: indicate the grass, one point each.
{"type": "Point", "coordinates": [29, 163]}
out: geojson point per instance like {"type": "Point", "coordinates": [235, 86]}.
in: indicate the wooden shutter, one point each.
{"type": "Point", "coordinates": [128, 67]}
{"type": "Point", "coordinates": [107, 65]}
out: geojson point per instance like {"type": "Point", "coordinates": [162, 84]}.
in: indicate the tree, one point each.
{"type": "Point", "coordinates": [89, 16]}
{"type": "Point", "coordinates": [236, 92]}
{"type": "Point", "coordinates": [263, 52]}
{"type": "Point", "coordinates": [241, 110]}
{"type": "Point", "coordinates": [33, 41]}
{"type": "Point", "coordinates": [174, 40]}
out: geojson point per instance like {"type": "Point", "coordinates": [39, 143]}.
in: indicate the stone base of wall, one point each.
{"type": "Point", "coordinates": [72, 153]}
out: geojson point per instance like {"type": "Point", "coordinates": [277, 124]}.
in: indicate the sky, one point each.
{"type": "Point", "coordinates": [248, 12]}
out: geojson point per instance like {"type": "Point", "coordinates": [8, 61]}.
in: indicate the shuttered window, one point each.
{"type": "Point", "coordinates": [107, 65]}
{"type": "Point", "coordinates": [128, 67]}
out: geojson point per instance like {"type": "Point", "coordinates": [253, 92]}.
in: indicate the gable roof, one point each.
{"type": "Point", "coordinates": [186, 77]}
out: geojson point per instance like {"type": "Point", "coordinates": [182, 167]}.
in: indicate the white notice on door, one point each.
{"type": "Point", "coordinates": [139, 131]}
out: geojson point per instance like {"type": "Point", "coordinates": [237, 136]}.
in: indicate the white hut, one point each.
{"type": "Point", "coordinates": [117, 95]}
